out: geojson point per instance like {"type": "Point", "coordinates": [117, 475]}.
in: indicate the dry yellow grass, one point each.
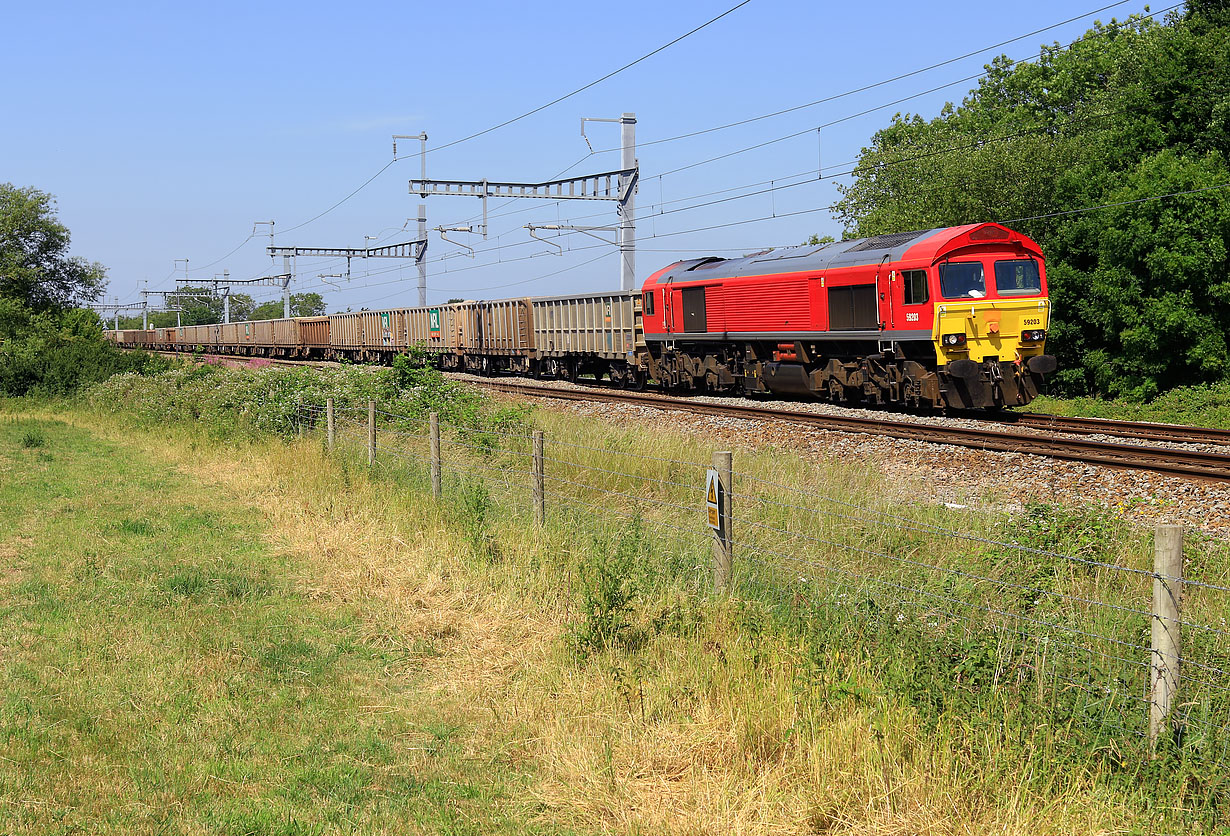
{"type": "Point", "coordinates": [700, 733]}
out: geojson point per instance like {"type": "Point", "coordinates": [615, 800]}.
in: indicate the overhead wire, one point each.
{"type": "Point", "coordinates": [762, 116]}
{"type": "Point", "coordinates": [528, 113]}
{"type": "Point", "coordinates": [767, 218]}
{"type": "Point", "coordinates": [816, 209]}
{"type": "Point", "coordinates": [593, 83]}
{"type": "Point", "coordinates": [867, 111]}
{"type": "Point", "coordinates": [831, 123]}
{"type": "Point", "coordinates": [760, 145]}
{"type": "Point", "coordinates": [866, 87]}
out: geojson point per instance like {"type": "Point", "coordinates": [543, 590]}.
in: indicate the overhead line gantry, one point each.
{"type": "Point", "coordinates": [416, 249]}
{"type": "Point", "coordinates": [618, 186]}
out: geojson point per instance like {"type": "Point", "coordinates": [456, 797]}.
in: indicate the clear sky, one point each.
{"type": "Point", "coordinates": [166, 129]}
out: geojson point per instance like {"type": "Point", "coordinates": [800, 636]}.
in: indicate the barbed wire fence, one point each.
{"type": "Point", "coordinates": [1131, 658]}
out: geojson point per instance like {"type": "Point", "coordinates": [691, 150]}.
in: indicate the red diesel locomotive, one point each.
{"type": "Point", "coordinates": [951, 317]}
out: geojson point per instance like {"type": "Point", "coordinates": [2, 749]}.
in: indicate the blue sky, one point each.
{"type": "Point", "coordinates": [166, 130]}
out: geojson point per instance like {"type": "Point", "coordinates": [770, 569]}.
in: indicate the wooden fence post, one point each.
{"type": "Point", "coordinates": [329, 421]}
{"type": "Point", "coordinates": [540, 481]}
{"type": "Point", "coordinates": [723, 544]}
{"type": "Point", "coordinates": [1166, 647]}
{"type": "Point", "coordinates": [435, 454]}
{"type": "Point", "coordinates": [371, 433]}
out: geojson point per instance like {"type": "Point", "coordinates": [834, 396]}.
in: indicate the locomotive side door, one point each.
{"type": "Point", "coordinates": [884, 294]}
{"type": "Point", "coordinates": [694, 319]}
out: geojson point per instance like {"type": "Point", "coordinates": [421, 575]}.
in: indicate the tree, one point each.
{"type": "Point", "coordinates": [242, 306]}
{"type": "Point", "coordinates": [35, 268]}
{"type": "Point", "coordinates": [1079, 150]}
{"type": "Point", "coordinates": [46, 345]}
{"type": "Point", "coordinates": [301, 304]}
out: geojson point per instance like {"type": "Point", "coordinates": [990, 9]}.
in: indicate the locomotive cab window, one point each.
{"type": "Point", "coordinates": [1019, 277]}
{"type": "Point", "coordinates": [962, 280]}
{"type": "Point", "coordinates": [914, 286]}
{"type": "Point", "coordinates": [647, 307]}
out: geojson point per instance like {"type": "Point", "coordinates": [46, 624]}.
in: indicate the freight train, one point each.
{"type": "Point", "coordinates": [954, 317]}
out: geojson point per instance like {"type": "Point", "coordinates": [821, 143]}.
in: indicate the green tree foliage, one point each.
{"type": "Point", "coordinates": [46, 346]}
{"type": "Point", "coordinates": [242, 306]}
{"type": "Point", "coordinates": [301, 304]}
{"type": "Point", "coordinates": [35, 268]}
{"type": "Point", "coordinates": [55, 352]}
{"type": "Point", "coordinates": [816, 240]}
{"type": "Point", "coordinates": [1134, 110]}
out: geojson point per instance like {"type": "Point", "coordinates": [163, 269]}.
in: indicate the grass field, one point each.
{"type": "Point", "coordinates": [170, 667]}
{"type": "Point", "coordinates": [254, 637]}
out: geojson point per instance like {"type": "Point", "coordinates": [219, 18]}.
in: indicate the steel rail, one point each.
{"type": "Point", "coordinates": [1179, 433]}
{"type": "Point", "coordinates": [1167, 460]}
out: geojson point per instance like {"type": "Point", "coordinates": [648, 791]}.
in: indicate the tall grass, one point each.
{"type": "Point", "coordinates": [880, 664]}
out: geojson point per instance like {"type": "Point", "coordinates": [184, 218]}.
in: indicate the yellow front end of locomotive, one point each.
{"type": "Point", "coordinates": [1005, 330]}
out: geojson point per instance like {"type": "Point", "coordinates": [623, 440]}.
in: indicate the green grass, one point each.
{"type": "Point", "coordinates": [163, 671]}
{"type": "Point", "coordinates": [820, 691]}
{"type": "Point", "coordinates": [1199, 406]}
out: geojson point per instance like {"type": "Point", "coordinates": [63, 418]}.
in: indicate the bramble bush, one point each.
{"type": "Point", "coordinates": [250, 402]}
{"type": "Point", "coordinates": [56, 352]}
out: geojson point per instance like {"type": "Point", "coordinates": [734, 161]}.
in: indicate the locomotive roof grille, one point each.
{"type": "Point", "coordinates": [886, 242]}
{"type": "Point", "coordinates": [792, 252]}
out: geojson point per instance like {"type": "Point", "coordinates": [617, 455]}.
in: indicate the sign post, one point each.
{"type": "Point", "coordinates": [712, 492]}
{"type": "Point", "coordinates": [717, 510]}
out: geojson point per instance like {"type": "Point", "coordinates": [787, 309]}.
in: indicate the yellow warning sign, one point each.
{"type": "Point", "coordinates": [712, 491]}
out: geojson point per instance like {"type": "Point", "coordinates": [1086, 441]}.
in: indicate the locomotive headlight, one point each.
{"type": "Point", "coordinates": [1035, 336]}
{"type": "Point", "coordinates": [953, 340]}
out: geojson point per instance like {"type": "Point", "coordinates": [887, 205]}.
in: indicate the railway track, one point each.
{"type": "Point", "coordinates": [1040, 435]}
{"type": "Point", "coordinates": [1167, 460]}
{"type": "Point", "coordinates": [1122, 429]}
